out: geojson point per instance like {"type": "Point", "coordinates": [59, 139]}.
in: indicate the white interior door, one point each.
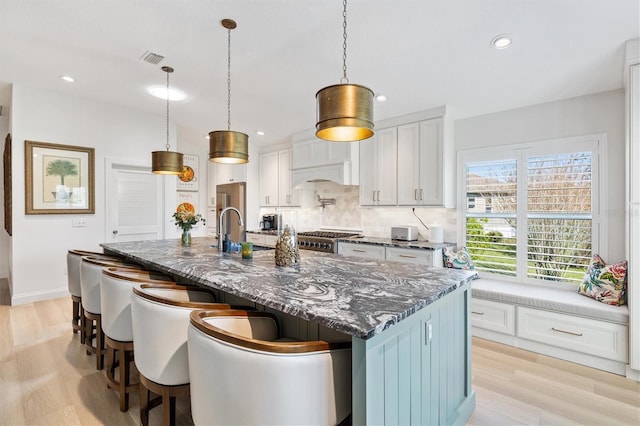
{"type": "Point", "coordinates": [134, 198]}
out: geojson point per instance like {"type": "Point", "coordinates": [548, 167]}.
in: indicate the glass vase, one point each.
{"type": "Point", "coordinates": [186, 237]}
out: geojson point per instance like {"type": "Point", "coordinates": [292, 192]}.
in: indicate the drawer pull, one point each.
{"type": "Point", "coordinates": [477, 313]}
{"type": "Point", "coordinates": [359, 251]}
{"type": "Point", "coordinates": [409, 256]}
{"type": "Point", "coordinates": [566, 332]}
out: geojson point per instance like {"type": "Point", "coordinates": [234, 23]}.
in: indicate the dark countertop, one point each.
{"type": "Point", "coordinates": [396, 243]}
{"type": "Point", "coordinates": [360, 297]}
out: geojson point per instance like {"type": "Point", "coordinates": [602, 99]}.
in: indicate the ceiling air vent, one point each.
{"type": "Point", "coordinates": [152, 58]}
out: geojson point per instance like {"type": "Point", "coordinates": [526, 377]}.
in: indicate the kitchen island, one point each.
{"type": "Point", "coordinates": [409, 324]}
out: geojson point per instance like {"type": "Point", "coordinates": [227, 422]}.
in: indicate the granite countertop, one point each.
{"type": "Point", "coordinates": [359, 297]}
{"type": "Point", "coordinates": [263, 232]}
{"type": "Point", "coordinates": [396, 243]}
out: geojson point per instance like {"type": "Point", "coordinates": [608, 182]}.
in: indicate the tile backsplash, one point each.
{"type": "Point", "coordinates": [371, 221]}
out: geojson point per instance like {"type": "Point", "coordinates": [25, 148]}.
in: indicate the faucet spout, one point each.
{"type": "Point", "coordinates": [240, 222]}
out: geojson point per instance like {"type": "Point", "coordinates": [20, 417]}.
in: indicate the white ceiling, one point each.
{"type": "Point", "coordinates": [419, 53]}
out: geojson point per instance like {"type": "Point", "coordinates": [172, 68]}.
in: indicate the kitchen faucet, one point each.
{"type": "Point", "coordinates": [240, 222]}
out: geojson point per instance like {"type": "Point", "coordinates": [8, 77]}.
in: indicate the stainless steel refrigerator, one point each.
{"type": "Point", "coordinates": [231, 195]}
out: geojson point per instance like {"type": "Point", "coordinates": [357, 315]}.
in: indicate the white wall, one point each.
{"type": "Point", "coordinates": [40, 242]}
{"type": "Point", "coordinates": [597, 113]}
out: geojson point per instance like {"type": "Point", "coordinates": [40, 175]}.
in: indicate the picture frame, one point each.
{"type": "Point", "coordinates": [187, 201]}
{"type": "Point", "coordinates": [188, 179]}
{"type": "Point", "coordinates": [59, 179]}
{"type": "Point", "coordinates": [8, 202]}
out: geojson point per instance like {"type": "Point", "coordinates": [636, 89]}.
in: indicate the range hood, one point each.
{"type": "Point", "coordinates": [342, 173]}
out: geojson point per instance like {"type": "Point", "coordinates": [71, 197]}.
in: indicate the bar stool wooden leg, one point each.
{"type": "Point", "coordinates": [98, 349]}
{"type": "Point", "coordinates": [124, 351]}
{"type": "Point", "coordinates": [83, 326]}
{"type": "Point", "coordinates": [76, 316]}
{"type": "Point", "coordinates": [167, 397]}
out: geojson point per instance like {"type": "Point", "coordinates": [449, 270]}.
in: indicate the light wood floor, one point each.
{"type": "Point", "coordinates": [47, 379]}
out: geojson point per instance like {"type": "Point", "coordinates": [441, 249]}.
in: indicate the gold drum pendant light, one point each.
{"type": "Point", "coordinates": [166, 162]}
{"type": "Point", "coordinates": [344, 111]}
{"type": "Point", "coordinates": [228, 146]}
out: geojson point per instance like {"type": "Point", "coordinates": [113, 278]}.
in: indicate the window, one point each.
{"type": "Point", "coordinates": [532, 211]}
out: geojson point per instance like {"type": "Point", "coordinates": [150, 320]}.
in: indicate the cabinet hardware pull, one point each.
{"type": "Point", "coordinates": [374, 196]}
{"type": "Point", "coordinates": [359, 251]}
{"type": "Point", "coordinates": [477, 313]}
{"type": "Point", "coordinates": [566, 332]}
{"type": "Point", "coordinates": [421, 193]}
{"type": "Point", "coordinates": [378, 195]}
{"type": "Point", "coordinates": [409, 256]}
{"type": "Point", "coordinates": [415, 194]}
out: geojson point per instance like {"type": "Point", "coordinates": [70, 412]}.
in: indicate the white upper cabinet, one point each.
{"type": "Point", "coordinates": [286, 194]}
{"type": "Point", "coordinates": [230, 173]}
{"type": "Point", "coordinates": [378, 169]}
{"type": "Point", "coordinates": [409, 162]}
{"type": "Point", "coordinates": [275, 180]}
{"type": "Point", "coordinates": [421, 161]}
{"type": "Point", "coordinates": [268, 169]}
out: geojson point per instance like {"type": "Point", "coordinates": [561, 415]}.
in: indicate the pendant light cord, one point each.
{"type": "Point", "coordinates": [229, 79]}
{"type": "Point", "coordinates": [167, 145]}
{"type": "Point", "coordinates": [344, 79]}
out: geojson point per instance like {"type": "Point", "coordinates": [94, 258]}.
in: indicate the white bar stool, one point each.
{"type": "Point", "coordinates": [115, 303]}
{"type": "Point", "coordinates": [160, 315]}
{"type": "Point", "coordinates": [74, 257]}
{"type": "Point", "coordinates": [90, 277]}
{"type": "Point", "coordinates": [242, 375]}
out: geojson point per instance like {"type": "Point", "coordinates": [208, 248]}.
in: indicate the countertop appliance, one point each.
{"type": "Point", "coordinates": [404, 233]}
{"type": "Point", "coordinates": [325, 241]}
{"type": "Point", "coordinates": [270, 222]}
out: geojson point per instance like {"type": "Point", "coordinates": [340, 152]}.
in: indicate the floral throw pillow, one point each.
{"type": "Point", "coordinates": [460, 259]}
{"type": "Point", "coordinates": [605, 283]}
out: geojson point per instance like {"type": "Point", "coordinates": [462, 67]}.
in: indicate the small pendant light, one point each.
{"type": "Point", "coordinates": [344, 111]}
{"type": "Point", "coordinates": [227, 146]}
{"type": "Point", "coordinates": [166, 162]}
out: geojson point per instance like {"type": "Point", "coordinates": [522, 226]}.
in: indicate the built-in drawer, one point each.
{"type": "Point", "coordinates": [369, 251]}
{"type": "Point", "coordinates": [494, 316]}
{"type": "Point", "coordinates": [599, 338]}
{"type": "Point", "coordinates": [270, 240]}
{"type": "Point", "coordinates": [419, 256]}
{"type": "Point", "coordinates": [262, 239]}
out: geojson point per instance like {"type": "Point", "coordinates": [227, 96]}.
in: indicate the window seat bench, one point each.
{"type": "Point", "coordinates": [555, 322]}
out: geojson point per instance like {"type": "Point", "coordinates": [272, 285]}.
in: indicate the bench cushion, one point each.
{"type": "Point", "coordinates": [558, 300]}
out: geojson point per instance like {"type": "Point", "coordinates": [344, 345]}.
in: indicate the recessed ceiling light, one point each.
{"type": "Point", "coordinates": [161, 93]}
{"type": "Point", "coordinates": [67, 78]}
{"type": "Point", "coordinates": [381, 98]}
{"type": "Point", "coordinates": [501, 41]}
{"type": "Point", "coordinates": [259, 133]}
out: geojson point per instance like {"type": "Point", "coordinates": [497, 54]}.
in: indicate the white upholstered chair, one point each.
{"type": "Point", "coordinates": [160, 318]}
{"type": "Point", "coordinates": [241, 374]}
{"type": "Point", "coordinates": [115, 301]}
{"type": "Point", "coordinates": [90, 277]}
{"type": "Point", "coordinates": [74, 257]}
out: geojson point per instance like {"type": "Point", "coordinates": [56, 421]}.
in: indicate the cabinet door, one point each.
{"type": "Point", "coordinates": [387, 167]}
{"type": "Point", "coordinates": [431, 163]}
{"type": "Point", "coordinates": [368, 168]}
{"type": "Point", "coordinates": [268, 170]}
{"type": "Point", "coordinates": [368, 251]}
{"type": "Point", "coordinates": [409, 164]}
{"type": "Point", "coordinates": [227, 173]}
{"type": "Point", "coordinates": [287, 195]}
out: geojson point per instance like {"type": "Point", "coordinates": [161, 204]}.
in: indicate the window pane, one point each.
{"type": "Point", "coordinates": [559, 216]}
{"type": "Point", "coordinates": [492, 244]}
{"type": "Point", "coordinates": [491, 188]}
{"type": "Point", "coordinates": [558, 249]}
{"type": "Point", "coordinates": [559, 183]}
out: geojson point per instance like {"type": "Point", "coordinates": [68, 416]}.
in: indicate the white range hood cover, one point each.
{"type": "Point", "coordinates": [340, 173]}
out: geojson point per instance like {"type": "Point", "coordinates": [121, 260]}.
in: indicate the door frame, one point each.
{"type": "Point", "coordinates": [112, 164]}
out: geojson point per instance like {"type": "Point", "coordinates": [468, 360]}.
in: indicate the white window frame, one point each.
{"type": "Point", "coordinates": [595, 143]}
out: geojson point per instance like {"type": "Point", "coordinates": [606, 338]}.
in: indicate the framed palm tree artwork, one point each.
{"type": "Point", "coordinates": [59, 179]}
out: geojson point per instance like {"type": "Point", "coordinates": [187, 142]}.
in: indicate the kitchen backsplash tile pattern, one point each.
{"type": "Point", "coordinates": [371, 221]}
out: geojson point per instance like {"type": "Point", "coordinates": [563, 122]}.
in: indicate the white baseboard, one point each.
{"type": "Point", "coordinates": [633, 374]}
{"type": "Point", "coordinates": [38, 296]}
